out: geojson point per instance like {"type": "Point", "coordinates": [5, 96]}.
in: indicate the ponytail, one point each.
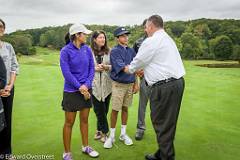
{"type": "Point", "coordinates": [67, 38]}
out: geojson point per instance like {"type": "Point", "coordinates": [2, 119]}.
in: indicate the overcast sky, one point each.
{"type": "Point", "coordinates": [25, 14]}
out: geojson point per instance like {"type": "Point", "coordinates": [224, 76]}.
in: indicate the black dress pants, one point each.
{"type": "Point", "coordinates": [165, 102]}
{"type": "Point", "coordinates": [6, 133]}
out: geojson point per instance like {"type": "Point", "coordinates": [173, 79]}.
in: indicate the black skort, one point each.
{"type": "Point", "coordinates": [74, 101]}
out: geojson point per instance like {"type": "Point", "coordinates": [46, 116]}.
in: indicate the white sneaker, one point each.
{"type": "Point", "coordinates": [109, 142]}
{"type": "Point", "coordinates": [88, 150]}
{"type": "Point", "coordinates": [67, 156]}
{"type": "Point", "coordinates": [126, 139]}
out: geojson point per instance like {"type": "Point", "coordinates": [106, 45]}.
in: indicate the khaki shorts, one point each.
{"type": "Point", "coordinates": [122, 95]}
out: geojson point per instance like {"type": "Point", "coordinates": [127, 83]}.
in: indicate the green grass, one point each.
{"type": "Point", "coordinates": [44, 57]}
{"type": "Point", "coordinates": [208, 126]}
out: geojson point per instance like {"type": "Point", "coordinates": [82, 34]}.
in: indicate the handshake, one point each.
{"type": "Point", "coordinates": [84, 91]}
{"type": "Point", "coordinates": [139, 72]}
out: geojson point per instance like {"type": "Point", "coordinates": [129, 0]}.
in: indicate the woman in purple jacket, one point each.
{"type": "Point", "coordinates": [77, 67]}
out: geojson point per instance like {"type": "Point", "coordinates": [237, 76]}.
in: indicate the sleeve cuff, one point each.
{"type": "Point", "coordinates": [78, 86]}
{"type": "Point", "coordinates": [131, 69]}
{"type": "Point", "coordinates": [87, 84]}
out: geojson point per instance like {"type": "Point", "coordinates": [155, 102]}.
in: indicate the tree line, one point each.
{"type": "Point", "coordinates": [195, 39]}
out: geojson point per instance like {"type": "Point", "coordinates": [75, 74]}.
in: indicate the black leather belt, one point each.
{"type": "Point", "coordinates": [163, 81]}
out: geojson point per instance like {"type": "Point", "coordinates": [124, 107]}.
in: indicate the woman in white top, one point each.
{"type": "Point", "coordinates": [102, 83]}
{"type": "Point", "coordinates": [8, 55]}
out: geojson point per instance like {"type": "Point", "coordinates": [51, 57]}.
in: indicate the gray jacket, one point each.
{"type": "Point", "coordinates": [102, 84]}
{"type": "Point", "coordinates": [9, 58]}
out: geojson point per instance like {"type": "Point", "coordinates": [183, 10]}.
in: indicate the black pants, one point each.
{"type": "Point", "coordinates": [5, 135]}
{"type": "Point", "coordinates": [101, 110]}
{"type": "Point", "coordinates": [165, 102]}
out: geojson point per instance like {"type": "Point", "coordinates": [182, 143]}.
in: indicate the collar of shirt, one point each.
{"type": "Point", "coordinates": [122, 47]}
{"type": "Point", "coordinates": [160, 31]}
{"type": "Point", "coordinates": [74, 47]}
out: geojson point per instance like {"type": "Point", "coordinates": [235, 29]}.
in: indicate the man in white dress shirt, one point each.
{"type": "Point", "coordinates": [163, 69]}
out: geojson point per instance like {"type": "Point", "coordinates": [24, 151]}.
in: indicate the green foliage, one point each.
{"type": "Point", "coordinates": [22, 43]}
{"type": "Point", "coordinates": [169, 32]}
{"type": "Point", "coordinates": [179, 43]}
{"type": "Point", "coordinates": [177, 28]}
{"type": "Point", "coordinates": [47, 39]}
{"type": "Point", "coordinates": [202, 31]}
{"type": "Point", "coordinates": [222, 47]}
{"type": "Point", "coordinates": [191, 46]}
{"type": "Point", "coordinates": [32, 50]}
{"type": "Point", "coordinates": [192, 37]}
{"type": "Point", "coordinates": [53, 38]}
{"type": "Point", "coordinates": [236, 53]}
{"type": "Point", "coordinates": [234, 34]}
{"type": "Point", "coordinates": [136, 33]}
{"type": "Point", "coordinates": [214, 26]}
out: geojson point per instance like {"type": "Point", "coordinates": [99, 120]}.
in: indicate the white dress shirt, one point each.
{"type": "Point", "coordinates": [159, 58]}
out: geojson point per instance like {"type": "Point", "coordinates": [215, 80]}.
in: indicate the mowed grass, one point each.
{"type": "Point", "coordinates": [208, 126]}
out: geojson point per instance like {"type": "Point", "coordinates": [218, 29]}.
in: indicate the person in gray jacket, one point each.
{"type": "Point", "coordinates": [102, 84]}
{"type": "Point", "coordinates": [7, 94]}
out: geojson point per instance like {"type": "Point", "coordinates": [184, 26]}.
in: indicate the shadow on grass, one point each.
{"type": "Point", "coordinates": [220, 65]}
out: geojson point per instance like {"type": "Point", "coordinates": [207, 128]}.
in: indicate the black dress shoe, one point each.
{"type": "Point", "coordinates": [151, 157]}
{"type": "Point", "coordinates": [139, 135]}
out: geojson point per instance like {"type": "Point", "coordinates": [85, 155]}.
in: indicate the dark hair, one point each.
{"type": "Point", "coordinates": [95, 48]}
{"type": "Point", "coordinates": [156, 20]}
{"type": "Point", "coordinates": [4, 26]}
{"type": "Point", "coordinates": [69, 38]}
{"type": "Point", "coordinates": [144, 22]}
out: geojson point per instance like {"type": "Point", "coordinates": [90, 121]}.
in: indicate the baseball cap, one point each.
{"type": "Point", "coordinates": [120, 31]}
{"type": "Point", "coordinates": [78, 27]}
